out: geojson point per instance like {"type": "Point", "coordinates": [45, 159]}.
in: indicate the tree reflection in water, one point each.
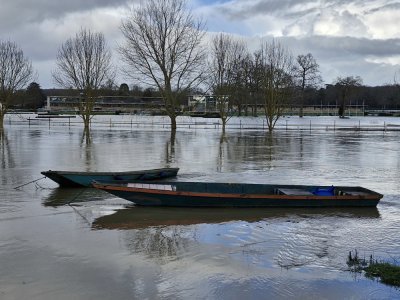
{"type": "Point", "coordinates": [166, 234]}
{"type": "Point", "coordinates": [160, 243]}
{"type": "Point", "coordinates": [6, 156]}
{"type": "Point", "coordinates": [170, 148]}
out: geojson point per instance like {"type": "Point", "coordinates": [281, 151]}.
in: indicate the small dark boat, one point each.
{"type": "Point", "coordinates": [80, 179]}
{"type": "Point", "coordinates": [239, 194]}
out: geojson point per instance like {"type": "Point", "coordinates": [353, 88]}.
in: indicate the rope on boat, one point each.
{"type": "Point", "coordinates": [38, 186]}
{"type": "Point", "coordinates": [17, 187]}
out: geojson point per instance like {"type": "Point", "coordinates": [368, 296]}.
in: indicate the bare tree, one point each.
{"type": "Point", "coordinates": [15, 73]}
{"type": "Point", "coordinates": [255, 80]}
{"type": "Point", "coordinates": [307, 74]}
{"type": "Point", "coordinates": [225, 67]}
{"type": "Point", "coordinates": [346, 86]}
{"type": "Point", "coordinates": [277, 80]}
{"type": "Point", "coordinates": [84, 63]}
{"type": "Point", "coordinates": [163, 49]}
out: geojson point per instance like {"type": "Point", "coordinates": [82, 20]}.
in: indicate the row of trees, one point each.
{"type": "Point", "coordinates": [163, 49]}
{"type": "Point", "coordinates": [376, 97]}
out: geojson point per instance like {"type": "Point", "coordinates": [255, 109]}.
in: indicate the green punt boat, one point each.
{"type": "Point", "coordinates": [202, 194]}
{"type": "Point", "coordinates": [85, 179]}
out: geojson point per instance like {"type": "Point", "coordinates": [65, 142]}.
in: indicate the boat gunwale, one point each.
{"type": "Point", "coordinates": [372, 196]}
{"type": "Point", "coordinates": [109, 172]}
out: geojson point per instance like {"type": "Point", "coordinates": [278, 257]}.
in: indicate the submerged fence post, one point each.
{"type": "Point", "coordinates": [310, 125]}
{"type": "Point", "coordinates": [334, 125]}
{"type": "Point", "coordinates": [29, 121]}
{"type": "Point", "coordinates": [286, 125]}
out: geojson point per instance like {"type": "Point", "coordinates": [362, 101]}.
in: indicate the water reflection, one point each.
{"type": "Point", "coordinates": [64, 196]}
{"type": "Point", "coordinates": [88, 151]}
{"type": "Point", "coordinates": [159, 244]}
{"type": "Point", "coordinates": [170, 148]}
{"type": "Point", "coordinates": [6, 155]}
{"type": "Point", "coordinates": [223, 146]}
{"type": "Point", "coordinates": [86, 137]}
{"type": "Point", "coordinates": [193, 253]}
{"type": "Point", "coordinates": [142, 217]}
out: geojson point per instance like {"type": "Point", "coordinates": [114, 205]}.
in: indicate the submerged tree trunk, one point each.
{"type": "Point", "coordinates": [301, 111]}
{"type": "Point", "coordinates": [341, 110]}
{"type": "Point", "coordinates": [224, 121]}
{"type": "Point", "coordinates": [173, 122]}
{"type": "Point", "coordinates": [2, 120]}
{"type": "Point", "coordinates": [86, 123]}
{"type": "Point", "coordinates": [170, 148]}
{"type": "Point", "coordinates": [86, 136]}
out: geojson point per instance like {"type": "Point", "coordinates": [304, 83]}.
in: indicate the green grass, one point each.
{"type": "Point", "coordinates": [388, 273]}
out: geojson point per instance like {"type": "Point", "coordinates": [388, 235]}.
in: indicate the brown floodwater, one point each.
{"type": "Point", "coordinates": [86, 244]}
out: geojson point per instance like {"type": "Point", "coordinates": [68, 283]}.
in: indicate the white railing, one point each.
{"type": "Point", "coordinates": [241, 123]}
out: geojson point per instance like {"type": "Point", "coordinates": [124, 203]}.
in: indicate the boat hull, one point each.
{"type": "Point", "coordinates": [85, 179]}
{"type": "Point", "coordinates": [159, 197]}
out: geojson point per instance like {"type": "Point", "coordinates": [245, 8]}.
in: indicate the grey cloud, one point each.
{"type": "Point", "coordinates": [390, 6]}
{"type": "Point", "coordinates": [341, 56]}
{"type": "Point", "coordinates": [345, 19]}
{"type": "Point", "coordinates": [253, 8]}
{"type": "Point", "coordinates": [18, 13]}
{"type": "Point", "coordinates": [22, 21]}
{"type": "Point", "coordinates": [347, 45]}
{"type": "Point", "coordinates": [284, 8]}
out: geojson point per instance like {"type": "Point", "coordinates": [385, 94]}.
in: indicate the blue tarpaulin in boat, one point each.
{"type": "Point", "coordinates": [324, 191]}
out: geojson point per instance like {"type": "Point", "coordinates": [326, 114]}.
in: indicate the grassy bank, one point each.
{"type": "Point", "coordinates": [388, 273]}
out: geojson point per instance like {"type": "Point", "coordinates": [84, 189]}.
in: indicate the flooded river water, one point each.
{"type": "Point", "coordinates": [86, 244]}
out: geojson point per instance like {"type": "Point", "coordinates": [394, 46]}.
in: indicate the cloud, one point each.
{"type": "Point", "coordinates": [17, 13]}
{"type": "Point", "coordinates": [348, 37]}
{"type": "Point", "coordinates": [48, 24]}
{"type": "Point", "coordinates": [372, 59]}
{"type": "Point", "coordinates": [354, 37]}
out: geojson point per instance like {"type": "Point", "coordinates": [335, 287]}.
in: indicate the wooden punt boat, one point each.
{"type": "Point", "coordinates": [202, 194]}
{"type": "Point", "coordinates": [85, 179]}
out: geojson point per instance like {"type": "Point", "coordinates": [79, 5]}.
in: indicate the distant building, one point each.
{"type": "Point", "coordinates": [107, 104]}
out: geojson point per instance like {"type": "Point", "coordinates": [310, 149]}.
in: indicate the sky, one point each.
{"type": "Point", "coordinates": [346, 37]}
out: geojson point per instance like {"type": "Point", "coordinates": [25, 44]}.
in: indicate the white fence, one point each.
{"type": "Point", "coordinates": [237, 123]}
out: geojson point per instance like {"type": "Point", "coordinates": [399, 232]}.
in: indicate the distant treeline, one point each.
{"type": "Point", "coordinates": [378, 97]}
